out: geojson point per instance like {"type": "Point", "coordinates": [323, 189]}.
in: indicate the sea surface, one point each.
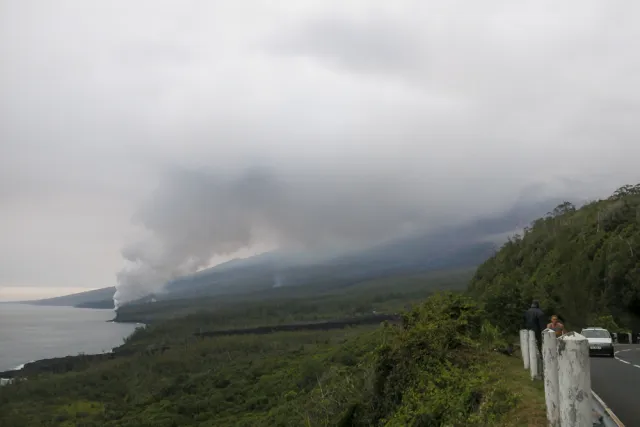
{"type": "Point", "coordinates": [29, 332]}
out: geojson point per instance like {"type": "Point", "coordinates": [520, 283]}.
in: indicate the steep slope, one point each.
{"type": "Point", "coordinates": [452, 248]}
{"type": "Point", "coordinates": [583, 264]}
{"type": "Point", "coordinates": [335, 272]}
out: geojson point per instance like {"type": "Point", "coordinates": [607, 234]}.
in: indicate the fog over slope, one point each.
{"type": "Point", "coordinates": [187, 231]}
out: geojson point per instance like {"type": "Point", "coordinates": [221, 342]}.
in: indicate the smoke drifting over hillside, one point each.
{"type": "Point", "coordinates": [195, 215]}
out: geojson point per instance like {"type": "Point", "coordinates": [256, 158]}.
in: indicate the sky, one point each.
{"type": "Point", "coordinates": [144, 140]}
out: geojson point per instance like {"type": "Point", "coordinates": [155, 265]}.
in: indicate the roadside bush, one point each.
{"type": "Point", "coordinates": [433, 371]}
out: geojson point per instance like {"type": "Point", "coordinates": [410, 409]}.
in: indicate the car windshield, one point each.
{"type": "Point", "coordinates": [596, 333]}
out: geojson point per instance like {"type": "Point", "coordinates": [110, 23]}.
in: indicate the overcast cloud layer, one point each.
{"type": "Point", "coordinates": [225, 126]}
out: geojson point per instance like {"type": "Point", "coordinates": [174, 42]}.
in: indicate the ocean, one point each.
{"type": "Point", "coordinates": [29, 332]}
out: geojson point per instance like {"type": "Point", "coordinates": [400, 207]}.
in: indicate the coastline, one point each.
{"type": "Point", "coordinates": [61, 364]}
{"type": "Point", "coordinates": [56, 364]}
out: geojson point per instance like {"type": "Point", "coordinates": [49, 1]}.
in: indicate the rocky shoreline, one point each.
{"type": "Point", "coordinates": [56, 365]}
{"type": "Point", "coordinates": [60, 365]}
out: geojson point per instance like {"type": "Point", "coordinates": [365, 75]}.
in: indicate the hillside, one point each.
{"type": "Point", "coordinates": [583, 264]}
{"type": "Point", "coordinates": [402, 257]}
{"type": "Point", "coordinates": [459, 247]}
{"type": "Point", "coordinates": [301, 303]}
{"type": "Point", "coordinates": [97, 298]}
{"type": "Point", "coordinates": [434, 367]}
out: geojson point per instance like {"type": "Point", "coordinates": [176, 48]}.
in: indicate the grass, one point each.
{"type": "Point", "coordinates": [530, 411]}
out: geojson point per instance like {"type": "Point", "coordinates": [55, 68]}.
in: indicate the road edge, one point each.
{"type": "Point", "coordinates": [609, 418]}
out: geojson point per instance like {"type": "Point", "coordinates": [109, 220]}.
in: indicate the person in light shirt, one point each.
{"type": "Point", "coordinates": [556, 326]}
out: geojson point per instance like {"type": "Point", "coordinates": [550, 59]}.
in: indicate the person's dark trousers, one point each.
{"type": "Point", "coordinates": [539, 358]}
{"type": "Point", "coordinates": [539, 342]}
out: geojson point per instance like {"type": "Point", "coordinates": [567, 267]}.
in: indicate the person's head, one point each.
{"type": "Point", "coordinates": [554, 319]}
{"type": "Point", "coordinates": [535, 304]}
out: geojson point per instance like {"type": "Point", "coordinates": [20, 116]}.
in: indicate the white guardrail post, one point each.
{"type": "Point", "coordinates": [524, 347]}
{"type": "Point", "coordinates": [574, 381]}
{"type": "Point", "coordinates": [533, 356]}
{"type": "Point", "coordinates": [550, 369]}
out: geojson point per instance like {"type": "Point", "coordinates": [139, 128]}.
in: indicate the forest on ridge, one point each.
{"type": "Point", "coordinates": [582, 264]}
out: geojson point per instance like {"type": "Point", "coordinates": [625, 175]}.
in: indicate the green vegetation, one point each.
{"type": "Point", "coordinates": [299, 303]}
{"type": "Point", "coordinates": [436, 367]}
{"type": "Point", "coordinates": [583, 264]}
{"type": "Point", "coordinates": [435, 364]}
{"type": "Point", "coordinates": [435, 372]}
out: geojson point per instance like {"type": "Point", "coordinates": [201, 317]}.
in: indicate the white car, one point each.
{"type": "Point", "coordinates": [600, 341]}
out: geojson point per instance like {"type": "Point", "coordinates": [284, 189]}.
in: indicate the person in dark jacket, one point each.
{"type": "Point", "coordinates": [534, 320]}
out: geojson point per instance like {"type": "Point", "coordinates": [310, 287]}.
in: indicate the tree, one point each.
{"type": "Point", "coordinates": [578, 261]}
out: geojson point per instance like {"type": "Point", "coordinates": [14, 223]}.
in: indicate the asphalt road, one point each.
{"type": "Point", "coordinates": [617, 382]}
